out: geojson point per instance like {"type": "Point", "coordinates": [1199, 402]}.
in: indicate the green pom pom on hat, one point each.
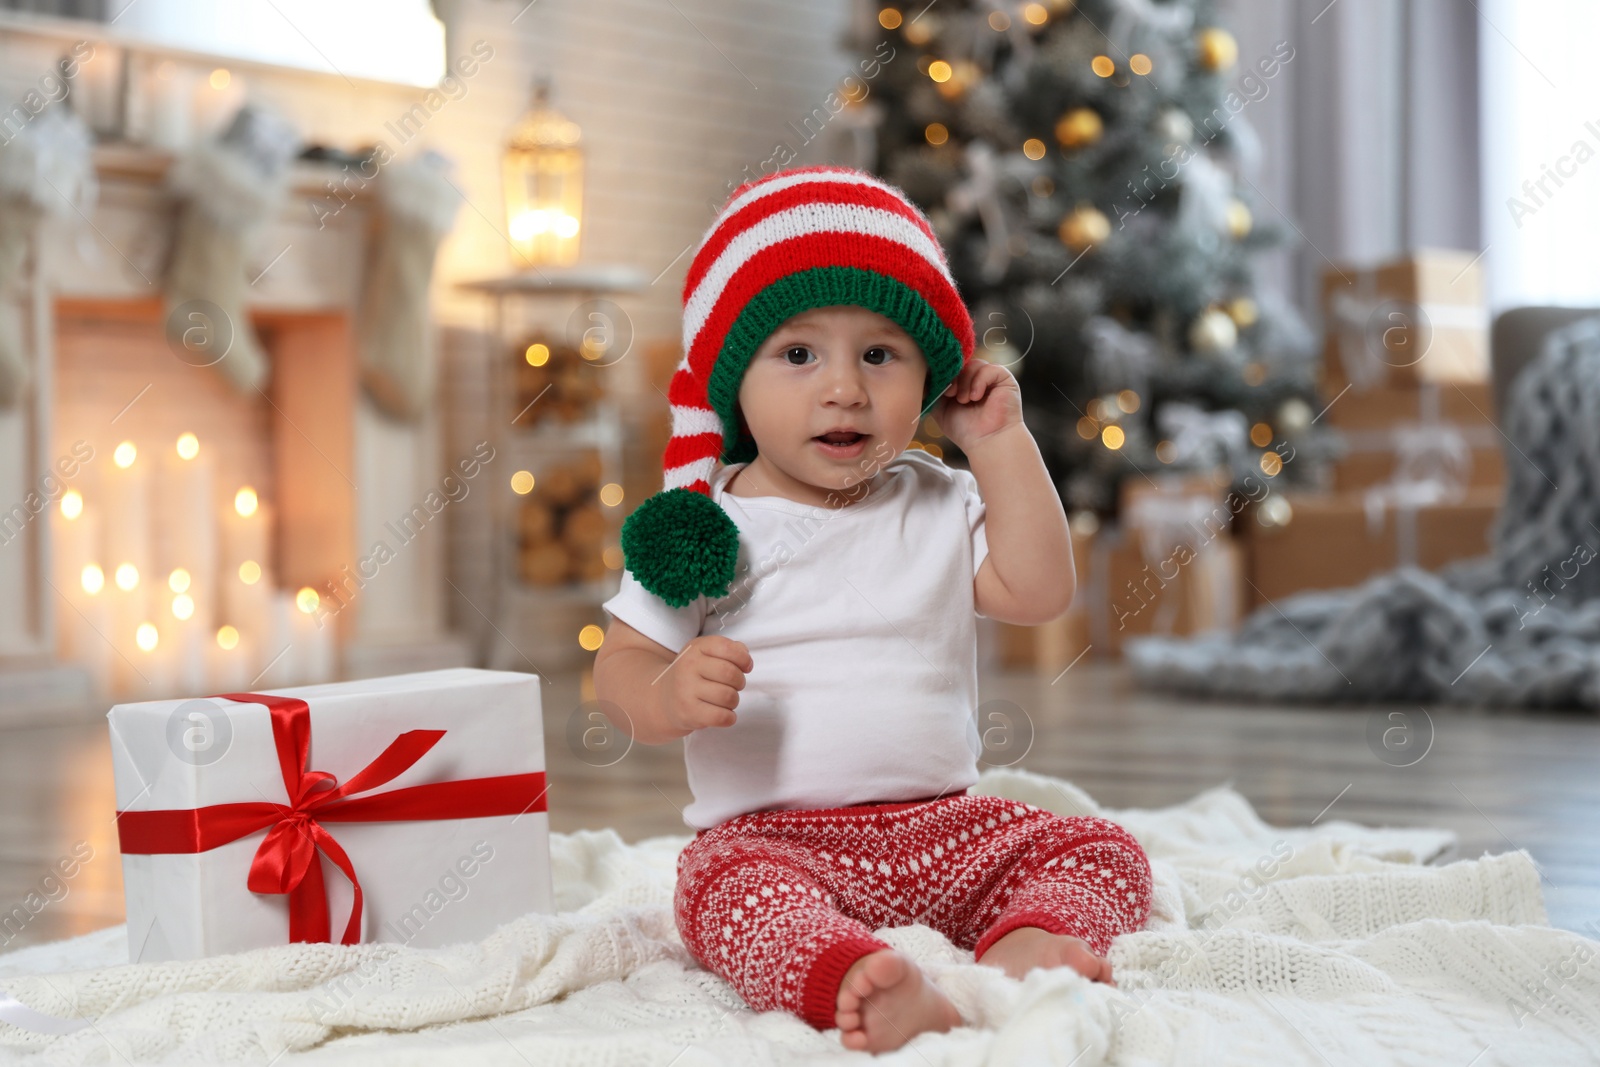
{"type": "Point", "coordinates": [681, 545]}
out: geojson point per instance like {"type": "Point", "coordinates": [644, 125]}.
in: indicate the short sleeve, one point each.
{"type": "Point", "coordinates": [654, 617]}
{"type": "Point", "coordinates": [976, 511]}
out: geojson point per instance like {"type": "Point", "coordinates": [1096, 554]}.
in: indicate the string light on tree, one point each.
{"type": "Point", "coordinates": [1294, 416]}
{"type": "Point", "coordinates": [1243, 311]}
{"type": "Point", "coordinates": [1274, 510]}
{"type": "Point", "coordinates": [1174, 126]}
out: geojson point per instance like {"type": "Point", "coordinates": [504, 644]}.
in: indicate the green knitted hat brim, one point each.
{"type": "Point", "coordinates": [822, 287]}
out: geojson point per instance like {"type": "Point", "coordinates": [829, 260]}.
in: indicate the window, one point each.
{"type": "Point", "coordinates": [1540, 104]}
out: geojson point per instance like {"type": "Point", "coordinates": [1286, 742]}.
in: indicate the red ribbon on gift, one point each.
{"type": "Point", "coordinates": [286, 861]}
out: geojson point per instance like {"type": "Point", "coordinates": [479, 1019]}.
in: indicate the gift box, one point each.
{"type": "Point", "coordinates": [1421, 318]}
{"type": "Point", "coordinates": [1051, 646]}
{"type": "Point", "coordinates": [407, 809]}
{"type": "Point", "coordinates": [1170, 567]}
{"type": "Point", "coordinates": [1338, 540]}
{"type": "Point", "coordinates": [1143, 584]}
{"type": "Point", "coordinates": [1452, 454]}
{"type": "Point", "coordinates": [1464, 404]}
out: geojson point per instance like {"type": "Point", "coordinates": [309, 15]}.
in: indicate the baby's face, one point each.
{"type": "Point", "coordinates": [833, 368]}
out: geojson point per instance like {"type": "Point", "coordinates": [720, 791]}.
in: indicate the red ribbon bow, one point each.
{"type": "Point", "coordinates": [286, 861]}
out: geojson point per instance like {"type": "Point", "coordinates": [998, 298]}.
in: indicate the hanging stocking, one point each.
{"type": "Point", "coordinates": [230, 189]}
{"type": "Point", "coordinates": [46, 169]}
{"type": "Point", "coordinates": [417, 205]}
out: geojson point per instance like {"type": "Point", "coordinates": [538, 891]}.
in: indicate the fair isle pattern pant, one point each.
{"type": "Point", "coordinates": [781, 903]}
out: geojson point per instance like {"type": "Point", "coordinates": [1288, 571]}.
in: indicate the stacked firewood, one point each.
{"type": "Point", "coordinates": [563, 525]}
{"type": "Point", "coordinates": [561, 387]}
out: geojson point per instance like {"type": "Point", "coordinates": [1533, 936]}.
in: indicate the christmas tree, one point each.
{"type": "Point", "coordinates": [1087, 166]}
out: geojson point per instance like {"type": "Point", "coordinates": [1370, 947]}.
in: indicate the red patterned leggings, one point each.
{"type": "Point", "coordinates": [781, 903]}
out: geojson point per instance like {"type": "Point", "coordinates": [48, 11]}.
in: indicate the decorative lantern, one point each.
{"type": "Point", "coordinates": [544, 183]}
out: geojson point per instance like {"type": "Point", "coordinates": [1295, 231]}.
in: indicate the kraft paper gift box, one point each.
{"type": "Point", "coordinates": [428, 787]}
{"type": "Point", "coordinates": [1418, 319]}
{"type": "Point", "coordinates": [1339, 540]}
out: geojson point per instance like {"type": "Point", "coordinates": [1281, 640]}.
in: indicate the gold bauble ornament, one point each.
{"type": "Point", "coordinates": [1218, 50]}
{"type": "Point", "coordinates": [1213, 331]}
{"type": "Point", "coordinates": [1239, 219]}
{"type": "Point", "coordinates": [1243, 311]}
{"type": "Point", "coordinates": [1084, 228]}
{"type": "Point", "coordinates": [1079, 127]}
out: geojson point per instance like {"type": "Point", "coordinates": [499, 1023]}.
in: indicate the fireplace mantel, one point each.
{"type": "Point", "coordinates": [327, 438]}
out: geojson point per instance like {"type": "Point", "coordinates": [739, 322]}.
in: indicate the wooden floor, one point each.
{"type": "Point", "coordinates": [1499, 780]}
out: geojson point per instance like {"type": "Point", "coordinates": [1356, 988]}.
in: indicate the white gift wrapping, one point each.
{"type": "Point", "coordinates": [417, 876]}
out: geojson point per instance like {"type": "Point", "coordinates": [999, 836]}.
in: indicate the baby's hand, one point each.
{"type": "Point", "coordinates": [983, 400]}
{"type": "Point", "coordinates": [702, 686]}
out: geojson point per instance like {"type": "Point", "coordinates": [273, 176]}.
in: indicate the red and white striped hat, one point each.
{"type": "Point", "coordinates": [798, 239]}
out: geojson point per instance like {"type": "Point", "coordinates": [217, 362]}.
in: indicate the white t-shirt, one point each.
{"type": "Point", "coordinates": [860, 625]}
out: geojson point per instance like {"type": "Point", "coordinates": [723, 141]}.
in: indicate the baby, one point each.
{"type": "Point", "coordinates": [802, 614]}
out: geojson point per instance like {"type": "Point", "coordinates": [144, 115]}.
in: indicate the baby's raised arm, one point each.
{"type": "Point", "coordinates": [666, 696]}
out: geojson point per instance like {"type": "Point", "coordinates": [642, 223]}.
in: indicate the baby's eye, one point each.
{"type": "Point", "coordinates": [789, 353]}
{"type": "Point", "coordinates": [877, 350]}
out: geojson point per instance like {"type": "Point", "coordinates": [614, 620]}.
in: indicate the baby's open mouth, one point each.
{"type": "Point", "coordinates": [840, 437]}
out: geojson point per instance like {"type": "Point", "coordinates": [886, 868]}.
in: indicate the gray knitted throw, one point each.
{"type": "Point", "coordinates": [1518, 628]}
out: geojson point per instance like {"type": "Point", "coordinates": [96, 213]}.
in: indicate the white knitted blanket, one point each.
{"type": "Point", "coordinates": [1354, 951]}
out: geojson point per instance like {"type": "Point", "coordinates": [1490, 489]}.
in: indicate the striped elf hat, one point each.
{"type": "Point", "coordinates": [804, 238]}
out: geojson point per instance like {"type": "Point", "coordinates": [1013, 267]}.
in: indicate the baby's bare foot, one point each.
{"type": "Point", "coordinates": [1027, 947]}
{"type": "Point", "coordinates": [885, 1000]}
